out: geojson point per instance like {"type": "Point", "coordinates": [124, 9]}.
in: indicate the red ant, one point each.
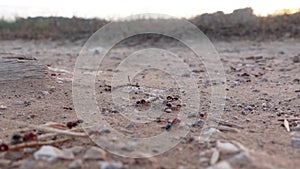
{"type": "Point", "coordinates": [3, 147]}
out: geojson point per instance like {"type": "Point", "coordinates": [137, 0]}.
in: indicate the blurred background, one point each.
{"type": "Point", "coordinates": [55, 19]}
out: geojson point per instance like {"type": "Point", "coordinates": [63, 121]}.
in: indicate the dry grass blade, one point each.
{"type": "Point", "coordinates": [56, 125]}
{"type": "Point", "coordinates": [36, 144]}
{"type": "Point", "coordinates": [286, 125]}
{"type": "Point", "coordinates": [49, 129]}
{"type": "Point", "coordinates": [228, 129]}
{"type": "Point", "coordinates": [289, 119]}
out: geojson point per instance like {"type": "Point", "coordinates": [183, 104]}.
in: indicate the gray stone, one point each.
{"type": "Point", "coordinates": [95, 153]}
{"type": "Point", "coordinates": [129, 126]}
{"type": "Point", "coordinates": [4, 162]}
{"type": "Point", "coordinates": [296, 59]}
{"type": "Point", "coordinates": [227, 148]}
{"type": "Point", "coordinates": [27, 165]}
{"type": "Point", "coordinates": [13, 155]}
{"type": "Point", "coordinates": [75, 150]}
{"type": "Point", "coordinates": [75, 164]}
{"type": "Point", "coordinates": [168, 111]}
{"type": "Point", "coordinates": [110, 165]}
{"type": "Point", "coordinates": [295, 142]}
{"type": "Point", "coordinates": [50, 153]}
{"type": "Point", "coordinates": [192, 115]}
{"type": "Point", "coordinates": [221, 165]}
{"type": "Point", "coordinates": [2, 107]}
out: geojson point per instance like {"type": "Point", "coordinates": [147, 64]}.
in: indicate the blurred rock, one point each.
{"type": "Point", "coordinates": [75, 164]}
{"type": "Point", "coordinates": [75, 150]}
{"type": "Point", "coordinates": [4, 163]}
{"type": "Point", "coordinates": [296, 59]}
{"type": "Point", "coordinates": [2, 107]}
{"type": "Point", "coordinates": [50, 153]}
{"type": "Point", "coordinates": [95, 153]}
{"type": "Point", "coordinates": [27, 165]}
{"type": "Point", "coordinates": [295, 142]}
{"type": "Point", "coordinates": [110, 165]}
{"type": "Point", "coordinates": [221, 165]}
{"type": "Point", "coordinates": [227, 148]}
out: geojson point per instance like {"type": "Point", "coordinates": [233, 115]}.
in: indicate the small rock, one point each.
{"type": "Point", "coordinates": [44, 92]}
{"type": "Point", "coordinates": [203, 160]}
{"type": "Point", "coordinates": [221, 165]}
{"type": "Point", "coordinates": [2, 107]}
{"type": "Point", "coordinates": [95, 153]}
{"type": "Point", "coordinates": [264, 80]}
{"type": "Point", "coordinates": [296, 59]}
{"type": "Point", "coordinates": [192, 115]}
{"type": "Point", "coordinates": [75, 164]}
{"type": "Point", "coordinates": [168, 110]}
{"type": "Point", "coordinates": [50, 153]}
{"type": "Point", "coordinates": [27, 165]}
{"type": "Point", "coordinates": [295, 142]}
{"type": "Point", "coordinates": [240, 159]}
{"type": "Point", "coordinates": [14, 155]}
{"type": "Point", "coordinates": [4, 162]}
{"type": "Point", "coordinates": [23, 103]}
{"type": "Point", "coordinates": [227, 148]}
{"type": "Point", "coordinates": [129, 126]}
{"type": "Point", "coordinates": [296, 81]}
{"type": "Point", "coordinates": [75, 150]}
{"type": "Point", "coordinates": [198, 123]}
{"type": "Point", "coordinates": [29, 150]}
{"type": "Point", "coordinates": [106, 131]}
{"type": "Point", "coordinates": [110, 165]}
{"type": "Point", "coordinates": [168, 126]}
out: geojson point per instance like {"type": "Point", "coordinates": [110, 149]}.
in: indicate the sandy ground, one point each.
{"type": "Point", "coordinates": [262, 89]}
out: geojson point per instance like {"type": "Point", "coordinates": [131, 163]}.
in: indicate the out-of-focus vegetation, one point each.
{"type": "Point", "coordinates": [49, 28]}
{"type": "Point", "coordinates": [241, 24]}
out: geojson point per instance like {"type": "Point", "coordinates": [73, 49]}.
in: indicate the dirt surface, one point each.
{"type": "Point", "coordinates": [262, 84]}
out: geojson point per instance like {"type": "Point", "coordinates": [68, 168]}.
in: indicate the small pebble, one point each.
{"type": "Point", "coordinates": [168, 126]}
{"type": "Point", "coordinates": [296, 59]}
{"type": "Point", "coordinates": [295, 142]}
{"type": "Point", "coordinates": [168, 110]}
{"type": "Point", "coordinates": [192, 115]}
{"type": "Point", "coordinates": [4, 162]}
{"type": "Point", "coordinates": [110, 165]}
{"type": "Point", "coordinates": [95, 153]}
{"type": "Point", "coordinates": [75, 150]}
{"type": "Point", "coordinates": [221, 165]}
{"type": "Point", "coordinates": [2, 107]}
{"type": "Point", "coordinates": [27, 165]}
{"type": "Point", "coordinates": [227, 148]}
{"type": "Point", "coordinates": [129, 126]}
{"type": "Point", "coordinates": [106, 131]}
{"type": "Point", "coordinates": [50, 153]}
{"type": "Point", "coordinates": [198, 123]}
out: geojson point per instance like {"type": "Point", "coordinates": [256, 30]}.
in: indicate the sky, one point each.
{"type": "Point", "coordinates": [113, 9]}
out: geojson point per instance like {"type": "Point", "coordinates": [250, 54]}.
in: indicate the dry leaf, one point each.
{"type": "Point", "coordinates": [286, 125]}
